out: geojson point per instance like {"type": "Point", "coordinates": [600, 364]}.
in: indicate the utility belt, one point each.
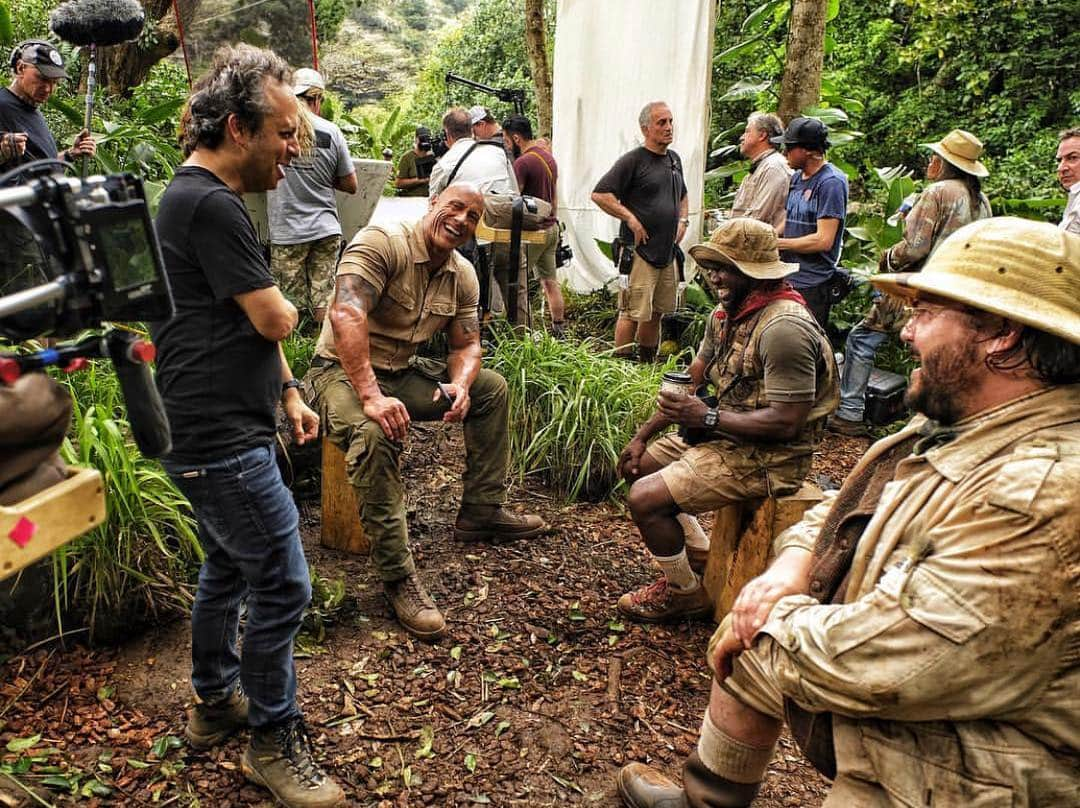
{"type": "Point", "coordinates": [623, 252]}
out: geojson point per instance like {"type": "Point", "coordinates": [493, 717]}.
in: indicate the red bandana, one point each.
{"type": "Point", "coordinates": [758, 300]}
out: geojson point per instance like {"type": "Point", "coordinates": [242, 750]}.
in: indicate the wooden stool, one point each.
{"type": "Point", "coordinates": [341, 528]}
{"type": "Point", "coordinates": [741, 542]}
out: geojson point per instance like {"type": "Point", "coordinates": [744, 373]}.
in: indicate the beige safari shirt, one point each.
{"type": "Point", "coordinates": [941, 209]}
{"type": "Point", "coordinates": [953, 669]}
{"type": "Point", "coordinates": [762, 194]}
{"type": "Point", "coordinates": [414, 301]}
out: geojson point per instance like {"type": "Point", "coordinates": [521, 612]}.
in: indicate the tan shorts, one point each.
{"type": "Point", "coordinates": [751, 681]}
{"type": "Point", "coordinates": [651, 293]}
{"type": "Point", "coordinates": [706, 477]}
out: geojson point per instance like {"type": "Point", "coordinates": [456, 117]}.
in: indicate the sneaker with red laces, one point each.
{"type": "Point", "coordinates": [659, 603]}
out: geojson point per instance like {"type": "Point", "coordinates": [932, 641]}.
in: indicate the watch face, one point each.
{"type": "Point", "coordinates": [710, 418]}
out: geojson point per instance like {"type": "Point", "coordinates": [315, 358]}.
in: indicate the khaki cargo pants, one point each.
{"type": "Point", "coordinates": [371, 458]}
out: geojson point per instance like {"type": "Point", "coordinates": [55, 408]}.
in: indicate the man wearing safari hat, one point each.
{"type": "Point", "coordinates": [953, 198]}
{"type": "Point", "coordinates": [919, 631]}
{"type": "Point", "coordinates": [774, 378]}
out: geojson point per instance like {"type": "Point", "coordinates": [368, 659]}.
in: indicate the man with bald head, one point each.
{"type": "Point", "coordinates": [396, 287]}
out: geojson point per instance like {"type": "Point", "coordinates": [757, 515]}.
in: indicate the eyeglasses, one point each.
{"type": "Point", "coordinates": [920, 312]}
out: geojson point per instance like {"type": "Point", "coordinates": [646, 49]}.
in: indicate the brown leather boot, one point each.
{"type": "Point", "coordinates": [415, 609]}
{"type": "Point", "coordinates": [279, 758]}
{"type": "Point", "coordinates": [210, 724]}
{"type": "Point", "coordinates": [495, 524]}
{"type": "Point", "coordinates": [659, 603]}
{"type": "Point", "coordinates": [641, 786]}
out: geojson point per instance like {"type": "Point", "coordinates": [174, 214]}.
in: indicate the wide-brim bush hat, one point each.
{"type": "Point", "coordinates": [1019, 269]}
{"type": "Point", "coordinates": [961, 149]}
{"type": "Point", "coordinates": [748, 244]}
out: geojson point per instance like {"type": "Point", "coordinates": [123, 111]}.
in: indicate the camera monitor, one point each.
{"type": "Point", "coordinates": [125, 249]}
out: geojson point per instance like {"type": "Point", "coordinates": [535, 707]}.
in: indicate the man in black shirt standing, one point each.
{"type": "Point", "coordinates": [221, 372]}
{"type": "Point", "coordinates": [646, 192]}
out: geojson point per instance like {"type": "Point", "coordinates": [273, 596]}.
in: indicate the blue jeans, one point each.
{"type": "Point", "coordinates": [859, 350]}
{"type": "Point", "coordinates": [249, 529]}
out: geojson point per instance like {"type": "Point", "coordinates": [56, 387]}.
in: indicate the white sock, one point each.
{"type": "Point", "coordinates": [693, 532]}
{"type": "Point", "coordinates": [678, 573]}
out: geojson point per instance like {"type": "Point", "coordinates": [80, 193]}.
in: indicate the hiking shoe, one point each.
{"type": "Point", "coordinates": [279, 759]}
{"type": "Point", "coordinates": [851, 429]}
{"type": "Point", "coordinates": [495, 523]}
{"type": "Point", "coordinates": [642, 786]}
{"type": "Point", "coordinates": [415, 609]}
{"type": "Point", "coordinates": [210, 724]}
{"type": "Point", "coordinates": [558, 330]}
{"type": "Point", "coordinates": [659, 603]}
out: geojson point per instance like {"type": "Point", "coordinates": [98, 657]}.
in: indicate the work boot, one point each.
{"type": "Point", "coordinates": [496, 524]}
{"type": "Point", "coordinates": [210, 724]}
{"type": "Point", "coordinates": [843, 426]}
{"type": "Point", "coordinates": [659, 603]}
{"type": "Point", "coordinates": [641, 786]}
{"type": "Point", "coordinates": [279, 759]}
{"type": "Point", "coordinates": [558, 330]}
{"type": "Point", "coordinates": [415, 609]}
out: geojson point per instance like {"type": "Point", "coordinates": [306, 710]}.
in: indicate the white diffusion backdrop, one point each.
{"type": "Point", "coordinates": [611, 58]}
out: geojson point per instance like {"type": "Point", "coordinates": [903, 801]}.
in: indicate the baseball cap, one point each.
{"type": "Point", "coordinates": [809, 133]}
{"type": "Point", "coordinates": [477, 114]}
{"type": "Point", "coordinates": [423, 133]}
{"type": "Point", "coordinates": [306, 79]}
{"type": "Point", "coordinates": [42, 55]}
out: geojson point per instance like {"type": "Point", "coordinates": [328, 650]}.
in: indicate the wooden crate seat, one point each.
{"type": "Point", "coordinates": [341, 529]}
{"type": "Point", "coordinates": [740, 546]}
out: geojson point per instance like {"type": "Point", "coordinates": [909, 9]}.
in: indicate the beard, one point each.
{"type": "Point", "coordinates": [944, 374]}
{"type": "Point", "coordinates": [516, 151]}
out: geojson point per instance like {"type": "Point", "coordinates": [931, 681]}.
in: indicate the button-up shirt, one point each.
{"type": "Point", "coordinates": [1070, 222]}
{"type": "Point", "coordinates": [414, 300]}
{"type": "Point", "coordinates": [953, 667]}
{"type": "Point", "coordinates": [762, 194]}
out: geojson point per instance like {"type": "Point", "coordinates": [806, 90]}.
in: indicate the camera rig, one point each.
{"type": "Point", "coordinates": [509, 95]}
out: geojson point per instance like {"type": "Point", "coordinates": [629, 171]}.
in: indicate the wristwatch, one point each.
{"type": "Point", "coordinates": [289, 385]}
{"type": "Point", "coordinates": [711, 416]}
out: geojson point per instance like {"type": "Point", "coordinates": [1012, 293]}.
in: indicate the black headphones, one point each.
{"type": "Point", "coordinates": [17, 52]}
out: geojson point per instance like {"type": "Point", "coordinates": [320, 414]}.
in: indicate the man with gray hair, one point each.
{"type": "Point", "coordinates": [645, 191]}
{"type": "Point", "coordinates": [762, 194]}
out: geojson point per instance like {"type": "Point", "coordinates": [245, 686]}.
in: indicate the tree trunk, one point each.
{"type": "Point", "coordinates": [801, 86]}
{"type": "Point", "coordinates": [536, 47]}
{"type": "Point", "coordinates": [122, 67]}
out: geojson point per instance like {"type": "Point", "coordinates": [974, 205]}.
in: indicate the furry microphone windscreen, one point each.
{"type": "Point", "coordinates": [97, 22]}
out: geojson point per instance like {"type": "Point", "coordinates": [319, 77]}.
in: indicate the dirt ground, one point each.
{"type": "Point", "coordinates": [537, 697]}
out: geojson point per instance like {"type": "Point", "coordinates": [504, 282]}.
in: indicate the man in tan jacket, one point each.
{"type": "Point", "coordinates": [920, 630]}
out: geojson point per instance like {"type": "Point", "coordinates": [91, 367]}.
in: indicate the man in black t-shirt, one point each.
{"type": "Point", "coordinates": [221, 372]}
{"type": "Point", "coordinates": [645, 191]}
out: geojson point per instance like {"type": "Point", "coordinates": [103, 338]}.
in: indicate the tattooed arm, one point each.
{"type": "Point", "coordinates": [354, 297]}
{"type": "Point", "coordinates": [463, 362]}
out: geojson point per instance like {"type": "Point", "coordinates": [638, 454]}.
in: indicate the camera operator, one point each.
{"type": "Point", "coordinates": [36, 68]}
{"type": "Point", "coordinates": [414, 168]}
{"type": "Point", "coordinates": [221, 372]}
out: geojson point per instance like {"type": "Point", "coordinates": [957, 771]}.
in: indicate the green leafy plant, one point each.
{"type": "Point", "coordinates": [143, 556]}
{"type": "Point", "coordinates": [573, 407]}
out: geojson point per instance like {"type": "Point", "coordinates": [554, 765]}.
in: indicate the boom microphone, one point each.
{"type": "Point", "coordinates": [97, 22]}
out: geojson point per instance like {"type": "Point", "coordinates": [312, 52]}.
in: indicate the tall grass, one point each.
{"type": "Point", "coordinates": [142, 558]}
{"type": "Point", "coordinates": [573, 407]}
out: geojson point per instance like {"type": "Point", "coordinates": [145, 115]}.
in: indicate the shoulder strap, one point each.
{"type": "Point", "coordinates": [543, 162]}
{"type": "Point", "coordinates": [468, 151]}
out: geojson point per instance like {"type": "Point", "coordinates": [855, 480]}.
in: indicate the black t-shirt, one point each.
{"type": "Point", "coordinates": [18, 116]}
{"type": "Point", "coordinates": [651, 186]}
{"type": "Point", "coordinates": [219, 378]}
